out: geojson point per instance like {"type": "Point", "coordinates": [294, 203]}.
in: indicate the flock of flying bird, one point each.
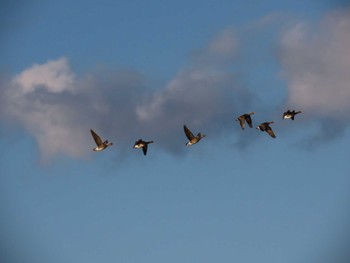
{"type": "Point", "coordinates": [243, 119]}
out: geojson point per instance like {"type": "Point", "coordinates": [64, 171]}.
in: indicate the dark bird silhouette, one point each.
{"type": "Point", "coordinates": [142, 144]}
{"type": "Point", "coordinates": [100, 145]}
{"type": "Point", "coordinates": [191, 138]}
{"type": "Point", "coordinates": [266, 127]}
{"type": "Point", "coordinates": [245, 118]}
{"type": "Point", "coordinates": [290, 114]}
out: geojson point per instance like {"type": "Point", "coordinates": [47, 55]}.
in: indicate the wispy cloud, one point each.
{"type": "Point", "coordinates": [219, 52]}
{"type": "Point", "coordinates": [58, 107]}
{"type": "Point", "coordinates": [316, 62]}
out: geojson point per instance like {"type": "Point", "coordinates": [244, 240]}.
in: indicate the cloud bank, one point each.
{"type": "Point", "coordinates": [58, 107]}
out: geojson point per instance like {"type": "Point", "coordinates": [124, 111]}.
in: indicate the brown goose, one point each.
{"type": "Point", "coordinates": [266, 127]}
{"type": "Point", "coordinates": [290, 114]}
{"type": "Point", "coordinates": [142, 144]}
{"type": "Point", "coordinates": [100, 145]}
{"type": "Point", "coordinates": [245, 118]}
{"type": "Point", "coordinates": [191, 138]}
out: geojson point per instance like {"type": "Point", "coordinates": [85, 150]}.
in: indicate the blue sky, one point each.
{"type": "Point", "coordinates": [142, 69]}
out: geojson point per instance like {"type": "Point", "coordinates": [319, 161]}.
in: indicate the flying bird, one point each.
{"type": "Point", "coordinates": [290, 114]}
{"type": "Point", "coordinates": [142, 144]}
{"type": "Point", "coordinates": [245, 118]}
{"type": "Point", "coordinates": [100, 145]}
{"type": "Point", "coordinates": [266, 127]}
{"type": "Point", "coordinates": [191, 138]}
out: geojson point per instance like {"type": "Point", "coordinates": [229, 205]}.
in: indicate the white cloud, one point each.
{"type": "Point", "coordinates": [34, 98]}
{"type": "Point", "coordinates": [55, 76]}
{"type": "Point", "coordinates": [316, 61]}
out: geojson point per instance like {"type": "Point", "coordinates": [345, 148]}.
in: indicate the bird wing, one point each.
{"type": "Point", "coordinates": [144, 149]}
{"type": "Point", "coordinates": [241, 121]}
{"type": "Point", "coordinates": [97, 138]}
{"type": "Point", "coordinates": [270, 132]}
{"type": "Point", "coordinates": [188, 133]}
{"type": "Point", "coordinates": [249, 121]}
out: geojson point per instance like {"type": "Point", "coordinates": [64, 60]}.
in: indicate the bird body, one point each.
{"type": "Point", "coordinates": [142, 144]}
{"type": "Point", "coordinates": [265, 126]}
{"type": "Point", "coordinates": [245, 118]}
{"type": "Point", "coordinates": [290, 114]}
{"type": "Point", "coordinates": [191, 138]}
{"type": "Point", "coordinates": [100, 145]}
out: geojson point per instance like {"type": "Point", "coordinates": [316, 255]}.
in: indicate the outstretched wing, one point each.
{"type": "Point", "coordinates": [241, 121]}
{"type": "Point", "coordinates": [270, 132]}
{"type": "Point", "coordinates": [144, 149]}
{"type": "Point", "coordinates": [97, 138]}
{"type": "Point", "coordinates": [249, 120]}
{"type": "Point", "coordinates": [188, 133]}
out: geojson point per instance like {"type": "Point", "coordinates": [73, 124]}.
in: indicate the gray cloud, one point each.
{"type": "Point", "coordinates": [202, 99]}
{"type": "Point", "coordinates": [58, 107]}
{"type": "Point", "coordinates": [316, 62]}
